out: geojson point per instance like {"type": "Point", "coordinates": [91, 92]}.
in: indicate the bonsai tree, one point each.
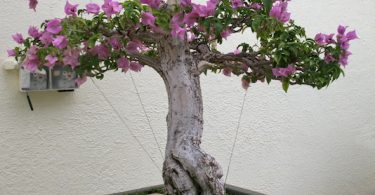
{"type": "Point", "coordinates": [178, 40]}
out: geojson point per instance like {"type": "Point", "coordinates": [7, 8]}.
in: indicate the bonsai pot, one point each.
{"type": "Point", "coordinates": [230, 190]}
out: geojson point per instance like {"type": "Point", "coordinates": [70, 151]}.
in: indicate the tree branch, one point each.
{"type": "Point", "coordinates": [145, 60]}
{"type": "Point", "coordinates": [146, 36]}
{"type": "Point", "coordinates": [212, 59]}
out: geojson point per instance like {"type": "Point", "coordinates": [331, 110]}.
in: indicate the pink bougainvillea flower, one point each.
{"type": "Point", "coordinates": [200, 10]}
{"type": "Point", "coordinates": [178, 32]}
{"type": "Point", "coordinates": [111, 7]}
{"type": "Point", "coordinates": [31, 64]}
{"type": "Point", "coordinates": [329, 38]}
{"type": "Point", "coordinates": [92, 8]}
{"type": "Point", "coordinates": [227, 72]}
{"type": "Point", "coordinates": [352, 35]}
{"type": "Point", "coordinates": [328, 58]}
{"type": "Point", "coordinates": [70, 9]}
{"type": "Point", "coordinates": [344, 58]}
{"type": "Point", "coordinates": [71, 57]}
{"type": "Point", "coordinates": [33, 4]}
{"type": "Point", "coordinates": [135, 66]}
{"type": "Point", "coordinates": [115, 42]}
{"type": "Point", "coordinates": [341, 29]}
{"type": "Point", "coordinates": [341, 33]}
{"type": "Point", "coordinates": [51, 61]}
{"type": "Point", "coordinates": [152, 3]}
{"type": "Point", "coordinates": [237, 52]}
{"type": "Point", "coordinates": [344, 39]}
{"type": "Point", "coordinates": [343, 61]}
{"type": "Point", "coordinates": [320, 39]}
{"type": "Point", "coordinates": [211, 7]}
{"type": "Point", "coordinates": [80, 80]}
{"type": "Point", "coordinates": [148, 19]}
{"type": "Point", "coordinates": [344, 45]}
{"type": "Point", "coordinates": [185, 3]}
{"type": "Point", "coordinates": [226, 33]}
{"type": "Point", "coordinates": [245, 84]}
{"type": "Point", "coordinates": [34, 32]}
{"type": "Point", "coordinates": [54, 26]}
{"type": "Point", "coordinates": [279, 11]}
{"type": "Point", "coordinates": [136, 47]}
{"type": "Point", "coordinates": [11, 52]}
{"type": "Point", "coordinates": [275, 12]}
{"type": "Point", "coordinates": [31, 61]}
{"type": "Point", "coordinates": [124, 64]}
{"type": "Point", "coordinates": [191, 18]}
{"type": "Point", "coordinates": [323, 39]}
{"type": "Point", "coordinates": [237, 4]}
{"type": "Point", "coordinates": [284, 72]}
{"type": "Point", "coordinates": [256, 6]}
{"type": "Point", "coordinates": [46, 38]}
{"type": "Point", "coordinates": [60, 42]}
{"type": "Point", "coordinates": [18, 38]}
{"type": "Point", "coordinates": [102, 51]}
{"type": "Point", "coordinates": [178, 19]}
{"type": "Point", "coordinates": [204, 10]}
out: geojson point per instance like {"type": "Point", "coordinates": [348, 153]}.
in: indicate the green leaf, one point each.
{"type": "Point", "coordinates": [267, 5]}
{"type": "Point", "coordinates": [286, 85]}
{"type": "Point", "coordinates": [92, 40]}
{"type": "Point", "coordinates": [342, 72]}
{"type": "Point", "coordinates": [218, 28]}
{"type": "Point", "coordinates": [256, 24]}
{"type": "Point", "coordinates": [268, 78]}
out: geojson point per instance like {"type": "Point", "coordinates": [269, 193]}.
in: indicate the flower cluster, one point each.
{"type": "Point", "coordinates": [182, 24]}
{"type": "Point", "coordinates": [342, 42]}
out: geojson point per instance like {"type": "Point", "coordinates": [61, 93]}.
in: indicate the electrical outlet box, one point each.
{"type": "Point", "coordinates": [58, 78]}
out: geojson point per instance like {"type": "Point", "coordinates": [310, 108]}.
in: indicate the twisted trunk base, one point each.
{"type": "Point", "coordinates": [187, 170]}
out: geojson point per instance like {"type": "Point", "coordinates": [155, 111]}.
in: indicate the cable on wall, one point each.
{"type": "Point", "coordinates": [236, 136]}
{"type": "Point", "coordinates": [146, 115]}
{"type": "Point", "coordinates": [125, 124]}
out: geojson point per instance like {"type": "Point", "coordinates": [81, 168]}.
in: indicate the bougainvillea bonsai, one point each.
{"type": "Point", "coordinates": [178, 39]}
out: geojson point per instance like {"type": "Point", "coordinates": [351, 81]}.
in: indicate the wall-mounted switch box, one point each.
{"type": "Point", "coordinates": [58, 78]}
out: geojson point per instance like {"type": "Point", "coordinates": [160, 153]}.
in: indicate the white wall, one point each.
{"type": "Point", "coordinates": [303, 142]}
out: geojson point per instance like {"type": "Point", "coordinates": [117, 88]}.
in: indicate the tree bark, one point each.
{"type": "Point", "coordinates": [187, 170]}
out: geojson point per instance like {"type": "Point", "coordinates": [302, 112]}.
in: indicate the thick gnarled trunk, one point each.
{"type": "Point", "coordinates": [187, 169]}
